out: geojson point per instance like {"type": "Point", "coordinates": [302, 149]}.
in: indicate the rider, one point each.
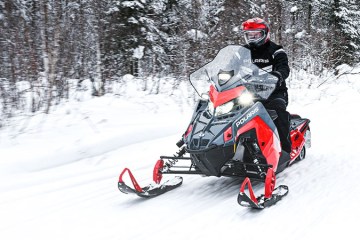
{"type": "Point", "coordinates": [271, 57]}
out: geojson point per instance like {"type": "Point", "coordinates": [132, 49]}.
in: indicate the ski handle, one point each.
{"type": "Point", "coordinates": [270, 181]}
{"type": "Point", "coordinates": [157, 175]}
{"type": "Point", "coordinates": [133, 180]}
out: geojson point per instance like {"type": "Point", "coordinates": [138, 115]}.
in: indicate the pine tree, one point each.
{"type": "Point", "coordinates": [348, 14]}
{"type": "Point", "coordinates": [343, 31]}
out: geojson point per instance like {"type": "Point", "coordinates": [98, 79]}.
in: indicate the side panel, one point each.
{"type": "Point", "coordinates": [268, 139]}
{"type": "Point", "coordinates": [297, 135]}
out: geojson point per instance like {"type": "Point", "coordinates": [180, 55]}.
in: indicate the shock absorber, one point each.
{"type": "Point", "coordinates": [256, 161]}
{"type": "Point", "coordinates": [172, 161]}
{"type": "Point", "coordinates": [180, 143]}
{"type": "Point", "coordinates": [262, 173]}
{"type": "Point", "coordinates": [255, 152]}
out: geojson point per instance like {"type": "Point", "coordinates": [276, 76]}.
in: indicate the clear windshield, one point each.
{"type": "Point", "coordinates": [233, 67]}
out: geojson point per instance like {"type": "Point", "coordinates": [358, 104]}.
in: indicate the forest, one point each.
{"type": "Point", "coordinates": [45, 43]}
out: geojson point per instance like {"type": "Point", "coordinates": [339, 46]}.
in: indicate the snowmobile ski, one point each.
{"type": "Point", "coordinates": [152, 190]}
{"type": "Point", "coordinates": [264, 200]}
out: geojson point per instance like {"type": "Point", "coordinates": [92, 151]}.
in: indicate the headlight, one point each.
{"type": "Point", "coordinates": [225, 108]}
{"type": "Point", "coordinates": [246, 99]}
{"type": "Point", "coordinates": [220, 110]}
{"type": "Point", "coordinates": [224, 76]}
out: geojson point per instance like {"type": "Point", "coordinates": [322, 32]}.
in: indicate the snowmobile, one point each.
{"type": "Point", "coordinates": [231, 133]}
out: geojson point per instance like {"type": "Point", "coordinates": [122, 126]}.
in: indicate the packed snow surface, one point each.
{"type": "Point", "coordinates": [59, 173]}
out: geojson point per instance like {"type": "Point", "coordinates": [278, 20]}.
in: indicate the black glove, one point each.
{"type": "Point", "coordinates": [279, 76]}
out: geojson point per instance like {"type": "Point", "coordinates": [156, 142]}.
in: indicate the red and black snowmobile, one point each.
{"type": "Point", "coordinates": [231, 133]}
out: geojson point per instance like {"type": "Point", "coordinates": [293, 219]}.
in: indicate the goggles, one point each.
{"type": "Point", "coordinates": [254, 35]}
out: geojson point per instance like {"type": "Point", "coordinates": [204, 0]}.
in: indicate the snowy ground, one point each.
{"type": "Point", "coordinates": [59, 173]}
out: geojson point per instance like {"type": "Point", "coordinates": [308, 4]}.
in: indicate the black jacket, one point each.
{"type": "Point", "coordinates": [272, 57]}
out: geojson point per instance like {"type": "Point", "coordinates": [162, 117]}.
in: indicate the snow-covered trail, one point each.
{"type": "Point", "coordinates": [80, 199]}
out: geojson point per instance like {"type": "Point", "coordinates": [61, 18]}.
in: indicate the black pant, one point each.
{"type": "Point", "coordinates": [279, 102]}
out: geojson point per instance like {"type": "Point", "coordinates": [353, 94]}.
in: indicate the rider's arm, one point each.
{"type": "Point", "coordinates": [281, 64]}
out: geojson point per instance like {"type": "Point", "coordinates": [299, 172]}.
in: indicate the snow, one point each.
{"type": "Point", "coordinates": [300, 34]}
{"type": "Point", "coordinates": [132, 4]}
{"type": "Point", "coordinates": [59, 173]}
{"type": "Point", "coordinates": [133, 20]}
{"type": "Point", "coordinates": [343, 68]}
{"type": "Point", "coordinates": [293, 9]}
{"type": "Point", "coordinates": [197, 34]}
{"type": "Point", "coordinates": [289, 30]}
{"type": "Point", "coordinates": [139, 52]}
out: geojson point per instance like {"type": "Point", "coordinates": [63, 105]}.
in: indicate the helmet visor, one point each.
{"type": "Point", "coordinates": [253, 36]}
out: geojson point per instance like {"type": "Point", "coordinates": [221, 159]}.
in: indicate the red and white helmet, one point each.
{"type": "Point", "coordinates": [256, 32]}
